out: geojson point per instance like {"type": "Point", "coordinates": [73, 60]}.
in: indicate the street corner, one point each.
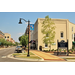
{"type": "Point", "coordinates": [26, 59]}
{"type": "Point", "coordinates": [10, 56]}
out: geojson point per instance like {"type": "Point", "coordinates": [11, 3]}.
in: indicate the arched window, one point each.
{"type": "Point", "coordinates": [72, 36]}
{"type": "Point", "coordinates": [7, 36]}
{"type": "Point", "coordinates": [61, 35]}
{"type": "Point", "coordinates": [72, 29]}
{"type": "Point", "coordinates": [46, 45]}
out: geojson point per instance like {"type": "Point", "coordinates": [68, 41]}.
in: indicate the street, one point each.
{"type": "Point", "coordinates": [5, 52]}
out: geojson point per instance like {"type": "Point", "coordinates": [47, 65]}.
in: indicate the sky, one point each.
{"type": "Point", "coordinates": [9, 20]}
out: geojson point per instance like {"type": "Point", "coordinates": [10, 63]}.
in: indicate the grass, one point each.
{"type": "Point", "coordinates": [31, 56]}
{"type": "Point", "coordinates": [24, 55]}
{"type": "Point", "coordinates": [70, 58]}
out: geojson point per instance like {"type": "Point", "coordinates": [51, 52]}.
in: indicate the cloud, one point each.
{"type": "Point", "coordinates": [20, 33]}
{"type": "Point", "coordinates": [27, 23]}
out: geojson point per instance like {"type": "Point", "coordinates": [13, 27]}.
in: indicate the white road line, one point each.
{"type": "Point", "coordinates": [3, 57]}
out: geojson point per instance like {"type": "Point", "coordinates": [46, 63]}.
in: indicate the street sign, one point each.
{"type": "Point", "coordinates": [62, 44]}
{"type": "Point", "coordinates": [31, 26]}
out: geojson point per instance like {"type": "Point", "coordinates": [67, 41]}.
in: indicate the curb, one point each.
{"type": "Point", "coordinates": [10, 56]}
{"type": "Point", "coordinates": [60, 59]}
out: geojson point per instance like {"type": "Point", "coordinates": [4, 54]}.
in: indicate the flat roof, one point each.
{"type": "Point", "coordinates": [57, 19]}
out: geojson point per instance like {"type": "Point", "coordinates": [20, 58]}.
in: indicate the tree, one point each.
{"type": "Point", "coordinates": [23, 40]}
{"type": "Point", "coordinates": [20, 38]}
{"type": "Point", "coordinates": [48, 30]}
{"type": "Point", "coordinates": [16, 43]}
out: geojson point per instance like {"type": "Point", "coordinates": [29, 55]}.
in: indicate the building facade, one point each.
{"type": "Point", "coordinates": [1, 34]}
{"type": "Point", "coordinates": [7, 36]}
{"type": "Point", "coordinates": [65, 30]}
{"type": "Point", "coordinates": [12, 41]}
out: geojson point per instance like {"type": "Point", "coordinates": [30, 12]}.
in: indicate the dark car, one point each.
{"type": "Point", "coordinates": [19, 49]}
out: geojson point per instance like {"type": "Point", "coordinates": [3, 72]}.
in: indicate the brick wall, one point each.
{"type": "Point", "coordinates": [1, 36]}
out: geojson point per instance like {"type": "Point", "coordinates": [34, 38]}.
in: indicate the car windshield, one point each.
{"type": "Point", "coordinates": [18, 47]}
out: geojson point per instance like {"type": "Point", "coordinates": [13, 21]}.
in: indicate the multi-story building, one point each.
{"type": "Point", "coordinates": [12, 41]}
{"type": "Point", "coordinates": [1, 34]}
{"type": "Point", "coordinates": [7, 36]}
{"type": "Point", "coordinates": [65, 30]}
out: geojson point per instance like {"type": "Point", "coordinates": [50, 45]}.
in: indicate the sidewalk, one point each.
{"type": "Point", "coordinates": [46, 56]}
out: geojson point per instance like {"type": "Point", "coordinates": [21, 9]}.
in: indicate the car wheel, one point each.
{"type": "Point", "coordinates": [17, 51]}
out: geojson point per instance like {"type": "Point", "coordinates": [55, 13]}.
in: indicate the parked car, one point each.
{"type": "Point", "coordinates": [19, 49]}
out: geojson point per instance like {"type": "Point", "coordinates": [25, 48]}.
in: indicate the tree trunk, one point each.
{"type": "Point", "coordinates": [50, 47]}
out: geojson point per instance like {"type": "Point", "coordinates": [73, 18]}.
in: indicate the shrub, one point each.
{"type": "Point", "coordinates": [70, 52]}
{"type": "Point", "coordinates": [60, 50]}
{"type": "Point", "coordinates": [64, 50]}
{"type": "Point", "coordinates": [46, 50]}
{"type": "Point", "coordinates": [72, 46]}
{"type": "Point", "coordinates": [52, 50]}
{"type": "Point", "coordinates": [55, 50]}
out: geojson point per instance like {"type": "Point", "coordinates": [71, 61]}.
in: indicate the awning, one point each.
{"type": "Point", "coordinates": [73, 42]}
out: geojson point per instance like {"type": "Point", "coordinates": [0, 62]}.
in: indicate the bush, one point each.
{"type": "Point", "coordinates": [46, 50]}
{"type": "Point", "coordinates": [52, 50]}
{"type": "Point", "coordinates": [60, 50]}
{"type": "Point", "coordinates": [72, 46]}
{"type": "Point", "coordinates": [64, 50]}
{"type": "Point", "coordinates": [70, 52]}
{"type": "Point", "coordinates": [55, 50]}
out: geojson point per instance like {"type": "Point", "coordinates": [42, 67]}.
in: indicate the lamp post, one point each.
{"type": "Point", "coordinates": [28, 32]}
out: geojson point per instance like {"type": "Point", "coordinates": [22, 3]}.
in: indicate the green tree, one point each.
{"type": "Point", "coordinates": [24, 40]}
{"type": "Point", "coordinates": [3, 41]}
{"type": "Point", "coordinates": [20, 38]}
{"type": "Point", "coordinates": [48, 30]}
{"type": "Point", "coordinates": [16, 43]}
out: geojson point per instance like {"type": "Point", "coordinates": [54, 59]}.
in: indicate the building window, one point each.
{"type": "Point", "coordinates": [72, 36]}
{"type": "Point", "coordinates": [7, 36]}
{"type": "Point", "coordinates": [72, 29]}
{"type": "Point", "coordinates": [47, 35]}
{"type": "Point", "coordinates": [46, 45]}
{"type": "Point", "coordinates": [61, 34]}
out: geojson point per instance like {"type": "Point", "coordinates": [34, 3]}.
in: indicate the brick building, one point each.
{"type": "Point", "coordinates": [1, 34]}
{"type": "Point", "coordinates": [12, 40]}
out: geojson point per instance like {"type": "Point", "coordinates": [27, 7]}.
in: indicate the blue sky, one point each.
{"type": "Point", "coordinates": [9, 20]}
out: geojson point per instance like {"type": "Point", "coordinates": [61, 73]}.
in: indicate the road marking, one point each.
{"type": "Point", "coordinates": [3, 56]}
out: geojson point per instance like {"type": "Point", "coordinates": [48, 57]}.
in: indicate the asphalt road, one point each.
{"type": "Point", "coordinates": [5, 52]}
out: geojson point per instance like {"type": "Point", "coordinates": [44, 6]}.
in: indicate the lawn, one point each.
{"type": "Point", "coordinates": [24, 55]}
{"type": "Point", "coordinates": [70, 58]}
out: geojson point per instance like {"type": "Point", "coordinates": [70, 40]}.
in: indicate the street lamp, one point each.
{"type": "Point", "coordinates": [28, 32]}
